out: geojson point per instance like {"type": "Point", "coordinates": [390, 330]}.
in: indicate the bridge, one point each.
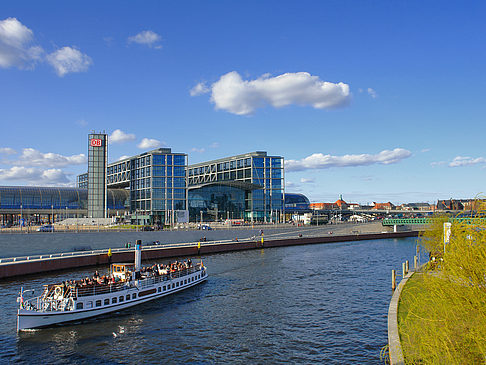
{"type": "Point", "coordinates": [409, 221]}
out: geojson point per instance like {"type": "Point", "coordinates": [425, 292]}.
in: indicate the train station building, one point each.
{"type": "Point", "coordinates": [157, 187]}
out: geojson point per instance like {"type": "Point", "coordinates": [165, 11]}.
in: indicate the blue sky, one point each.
{"type": "Point", "coordinates": [378, 101]}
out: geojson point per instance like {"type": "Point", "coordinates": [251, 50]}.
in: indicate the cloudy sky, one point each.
{"type": "Point", "coordinates": [378, 101]}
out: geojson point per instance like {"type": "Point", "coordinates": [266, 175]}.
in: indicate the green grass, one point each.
{"type": "Point", "coordinates": [442, 312]}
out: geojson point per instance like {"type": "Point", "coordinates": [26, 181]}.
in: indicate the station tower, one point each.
{"type": "Point", "coordinates": [97, 164]}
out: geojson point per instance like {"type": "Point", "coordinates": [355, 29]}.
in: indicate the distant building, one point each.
{"type": "Point", "coordinates": [322, 206]}
{"type": "Point", "coordinates": [383, 206]}
{"type": "Point", "coordinates": [450, 204]}
{"type": "Point", "coordinates": [460, 204]}
{"type": "Point", "coordinates": [338, 204]}
{"type": "Point", "coordinates": [417, 206]}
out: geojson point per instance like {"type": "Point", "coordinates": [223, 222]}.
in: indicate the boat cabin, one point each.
{"type": "Point", "coordinates": [122, 271]}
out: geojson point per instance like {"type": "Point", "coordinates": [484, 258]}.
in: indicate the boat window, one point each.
{"type": "Point", "coordinates": [79, 305]}
{"type": "Point", "coordinates": [159, 289]}
{"type": "Point", "coordinates": [98, 303]}
{"type": "Point", "coordinates": [121, 298]}
{"type": "Point", "coordinates": [185, 281]}
{"type": "Point", "coordinates": [113, 300]}
{"type": "Point", "coordinates": [173, 285]}
{"type": "Point", "coordinates": [134, 295]}
{"type": "Point", "coordinates": [89, 305]}
{"type": "Point", "coordinates": [107, 301]}
{"type": "Point", "coordinates": [128, 296]}
{"type": "Point", "coordinates": [164, 288]}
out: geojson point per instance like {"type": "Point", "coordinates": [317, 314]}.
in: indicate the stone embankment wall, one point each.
{"type": "Point", "coordinates": [41, 265]}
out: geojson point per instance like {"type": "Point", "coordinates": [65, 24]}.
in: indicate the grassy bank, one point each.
{"type": "Point", "coordinates": [442, 312]}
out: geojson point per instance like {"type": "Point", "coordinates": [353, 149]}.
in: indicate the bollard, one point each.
{"type": "Point", "coordinates": [404, 269]}
{"type": "Point", "coordinates": [407, 266]}
{"type": "Point", "coordinates": [198, 248]}
{"type": "Point", "coordinates": [415, 263]}
{"type": "Point", "coordinates": [394, 280]}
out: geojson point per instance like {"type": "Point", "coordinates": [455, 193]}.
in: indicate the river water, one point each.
{"type": "Point", "coordinates": [321, 303]}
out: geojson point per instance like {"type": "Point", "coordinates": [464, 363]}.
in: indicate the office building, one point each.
{"type": "Point", "coordinates": [248, 186]}
{"type": "Point", "coordinates": [157, 183]}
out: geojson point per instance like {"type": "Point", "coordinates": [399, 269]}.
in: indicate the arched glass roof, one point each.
{"type": "Point", "coordinates": [33, 197]}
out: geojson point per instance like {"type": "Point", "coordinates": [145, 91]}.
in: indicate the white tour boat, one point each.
{"type": "Point", "coordinates": [127, 285]}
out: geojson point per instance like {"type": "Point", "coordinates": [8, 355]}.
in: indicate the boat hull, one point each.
{"type": "Point", "coordinates": [29, 319]}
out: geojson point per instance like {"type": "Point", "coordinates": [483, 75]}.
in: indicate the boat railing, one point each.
{"type": "Point", "coordinates": [48, 304]}
{"type": "Point", "coordinates": [173, 275]}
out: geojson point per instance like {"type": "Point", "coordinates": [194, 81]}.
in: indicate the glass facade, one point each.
{"type": "Point", "coordinates": [47, 198]}
{"type": "Point", "coordinates": [156, 181]}
{"type": "Point", "coordinates": [217, 202]}
{"type": "Point", "coordinates": [264, 177]}
{"type": "Point", "coordinates": [97, 160]}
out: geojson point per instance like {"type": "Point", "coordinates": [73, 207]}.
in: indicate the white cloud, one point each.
{"type": "Point", "coordinates": [372, 93]}
{"type": "Point", "coordinates": [242, 97]}
{"type": "Point", "coordinates": [148, 38]}
{"type": "Point", "coordinates": [16, 49]}
{"type": "Point", "coordinates": [34, 176]}
{"type": "Point", "coordinates": [118, 136]}
{"type": "Point", "coordinates": [67, 59]}
{"type": "Point", "coordinates": [32, 157]}
{"type": "Point", "coordinates": [466, 161]}
{"type": "Point", "coordinates": [7, 151]}
{"type": "Point", "coordinates": [123, 157]}
{"type": "Point", "coordinates": [198, 150]}
{"type": "Point", "coordinates": [306, 180]}
{"type": "Point", "coordinates": [148, 143]}
{"type": "Point", "coordinates": [199, 89]}
{"type": "Point", "coordinates": [321, 161]}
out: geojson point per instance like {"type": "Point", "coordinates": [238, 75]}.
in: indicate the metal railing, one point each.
{"type": "Point", "coordinates": [297, 233]}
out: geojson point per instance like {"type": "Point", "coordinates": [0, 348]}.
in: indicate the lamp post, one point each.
{"type": "Point", "coordinates": [52, 218]}
{"type": "Point", "coordinates": [21, 218]}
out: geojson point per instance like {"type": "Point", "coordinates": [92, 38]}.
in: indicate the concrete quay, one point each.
{"type": "Point", "coordinates": [19, 266]}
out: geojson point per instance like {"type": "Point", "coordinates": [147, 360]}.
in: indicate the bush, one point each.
{"type": "Point", "coordinates": [442, 314]}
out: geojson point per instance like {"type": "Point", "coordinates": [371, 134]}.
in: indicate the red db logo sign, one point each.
{"type": "Point", "coordinates": [95, 142]}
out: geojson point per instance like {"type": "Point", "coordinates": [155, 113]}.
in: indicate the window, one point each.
{"type": "Point", "coordinates": [159, 289]}
{"type": "Point", "coordinates": [179, 171]}
{"type": "Point", "coordinates": [128, 297]}
{"type": "Point", "coordinates": [173, 285]}
{"type": "Point", "coordinates": [89, 305]}
{"type": "Point", "coordinates": [164, 287]}
{"type": "Point", "coordinates": [179, 182]}
{"type": "Point", "coordinates": [169, 159]}
{"type": "Point", "coordinates": [158, 160]}
{"type": "Point", "coordinates": [134, 295]}
{"type": "Point", "coordinates": [185, 281]}
{"type": "Point", "coordinates": [179, 160]}
{"type": "Point", "coordinates": [79, 305]}
{"type": "Point", "coordinates": [113, 300]}
{"type": "Point", "coordinates": [121, 298]}
{"type": "Point", "coordinates": [98, 303]}
{"type": "Point", "coordinates": [107, 301]}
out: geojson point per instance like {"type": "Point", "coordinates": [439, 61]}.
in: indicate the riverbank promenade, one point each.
{"type": "Point", "coordinates": [212, 242]}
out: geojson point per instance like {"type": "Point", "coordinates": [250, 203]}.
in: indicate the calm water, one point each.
{"type": "Point", "coordinates": [324, 303]}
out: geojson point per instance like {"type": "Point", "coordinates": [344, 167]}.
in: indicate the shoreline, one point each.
{"type": "Point", "coordinates": [36, 265]}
